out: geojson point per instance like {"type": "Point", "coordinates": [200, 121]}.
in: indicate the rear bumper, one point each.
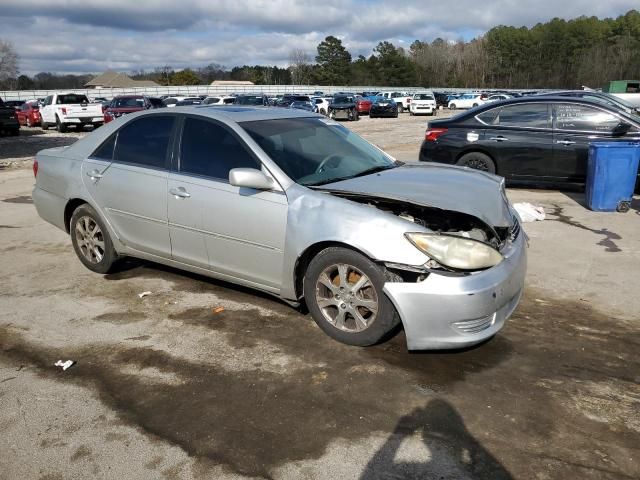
{"type": "Point", "coordinates": [50, 207]}
{"type": "Point", "coordinates": [87, 120]}
{"type": "Point", "coordinates": [427, 109]}
{"type": "Point", "coordinates": [383, 113]}
{"type": "Point", "coordinates": [9, 124]}
{"type": "Point", "coordinates": [453, 312]}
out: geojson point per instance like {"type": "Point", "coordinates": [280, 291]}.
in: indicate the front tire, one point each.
{"type": "Point", "coordinates": [452, 106]}
{"type": "Point", "coordinates": [400, 108]}
{"type": "Point", "coordinates": [44, 125]}
{"type": "Point", "coordinates": [91, 240]}
{"type": "Point", "coordinates": [477, 161]}
{"type": "Point", "coordinates": [343, 291]}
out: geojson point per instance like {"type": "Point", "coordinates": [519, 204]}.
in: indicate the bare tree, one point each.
{"type": "Point", "coordinates": [8, 61]}
{"type": "Point", "coordinates": [300, 66]}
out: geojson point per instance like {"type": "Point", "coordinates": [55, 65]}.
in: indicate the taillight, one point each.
{"type": "Point", "coordinates": [35, 168]}
{"type": "Point", "coordinates": [63, 110]}
{"type": "Point", "coordinates": [432, 134]}
{"type": "Point", "coordinates": [408, 100]}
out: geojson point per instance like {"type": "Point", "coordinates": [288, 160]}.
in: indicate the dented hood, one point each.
{"type": "Point", "coordinates": [436, 185]}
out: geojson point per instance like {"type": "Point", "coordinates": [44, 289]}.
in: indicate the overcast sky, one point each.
{"type": "Point", "coordinates": [79, 36]}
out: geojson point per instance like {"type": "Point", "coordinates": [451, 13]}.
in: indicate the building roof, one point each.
{"type": "Point", "coordinates": [232, 82]}
{"type": "Point", "coordinates": [111, 79]}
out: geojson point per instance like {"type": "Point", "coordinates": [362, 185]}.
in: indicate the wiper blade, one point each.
{"type": "Point", "coordinates": [368, 171]}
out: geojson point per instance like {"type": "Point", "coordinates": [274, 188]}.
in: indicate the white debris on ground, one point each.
{"type": "Point", "coordinates": [144, 294]}
{"type": "Point", "coordinates": [528, 212]}
{"type": "Point", "coordinates": [64, 365]}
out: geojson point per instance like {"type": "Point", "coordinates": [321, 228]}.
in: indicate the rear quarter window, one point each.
{"type": "Point", "coordinates": [145, 141]}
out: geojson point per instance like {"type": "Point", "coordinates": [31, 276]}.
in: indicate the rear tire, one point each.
{"type": "Point", "coordinates": [44, 125]}
{"type": "Point", "coordinates": [61, 127]}
{"type": "Point", "coordinates": [91, 240]}
{"type": "Point", "coordinates": [343, 291]}
{"type": "Point", "coordinates": [477, 161]}
{"type": "Point", "coordinates": [452, 106]}
{"type": "Point", "coordinates": [400, 108]}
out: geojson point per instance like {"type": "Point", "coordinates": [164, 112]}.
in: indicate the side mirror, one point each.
{"type": "Point", "coordinates": [250, 178]}
{"type": "Point", "coordinates": [622, 128]}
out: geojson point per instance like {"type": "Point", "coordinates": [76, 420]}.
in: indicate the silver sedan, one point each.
{"type": "Point", "coordinates": [296, 205]}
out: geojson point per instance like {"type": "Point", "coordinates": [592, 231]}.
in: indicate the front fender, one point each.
{"type": "Point", "coordinates": [315, 217]}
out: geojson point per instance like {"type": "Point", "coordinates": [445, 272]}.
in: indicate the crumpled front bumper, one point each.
{"type": "Point", "coordinates": [452, 312]}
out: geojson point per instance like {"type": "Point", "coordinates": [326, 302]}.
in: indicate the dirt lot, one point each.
{"type": "Point", "coordinates": [164, 387]}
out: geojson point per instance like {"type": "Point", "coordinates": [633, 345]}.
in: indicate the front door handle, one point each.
{"type": "Point", "coordinates": [179, 192]}
{"type": "Point", "coordinates": [94, 174]}
{"type": "Point", "coordinates": [565, 142]}
{"type": "Point", "coordinates": [499, 138]}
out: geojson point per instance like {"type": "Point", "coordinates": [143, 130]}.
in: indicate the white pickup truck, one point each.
{"type": "Point", "coordinates": [64, 109]}
{"type": "Point", "coordinates": [403, 99]}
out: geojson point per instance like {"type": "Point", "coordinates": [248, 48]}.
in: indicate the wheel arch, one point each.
{"type": "Point", "coordinates": [69, 208]}
{"type": "Point", "coordinates": [304, 259]}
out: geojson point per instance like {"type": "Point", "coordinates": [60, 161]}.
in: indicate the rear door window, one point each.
{"type": "Point", "coordinates": [525, 115]}
{"type": "Point", "coordinates": [211, 150]}
{"type": "Point", "coordinates": [583, 118]}
{"type": "Point", "coordinates": [145, 141]}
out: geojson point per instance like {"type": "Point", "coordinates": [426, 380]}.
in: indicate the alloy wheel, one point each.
{"type": "Point", "coordinates": [347, 298]}
{"type": "Point", "coordinates": [477, 164]}
{"type": "Point", "coordinates": [89, 239]}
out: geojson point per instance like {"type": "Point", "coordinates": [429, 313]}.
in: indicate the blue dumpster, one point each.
{"type": "Point", "coordinates": [611, 175]}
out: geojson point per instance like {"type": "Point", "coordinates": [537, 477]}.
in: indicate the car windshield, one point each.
{"type": "Point", "coordinates": [423, 96]}
{"type": "Point", "coordinates": [250, 100]}
{"type": "Point", "coordinates": [72, 98]}
{"type": "Point", "coordinates": [128, 102]}
{"type": "Point", "coordinates": [316, 151]}
{"type": "Point", "coordinates": [616, 100]}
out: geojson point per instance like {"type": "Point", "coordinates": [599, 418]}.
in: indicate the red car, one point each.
{"type": "Point", "coordinates": [363, 105]}
{"type": "Point", "coordinates": [29, 114]}
{"type": "Point", "coordinates": [123, 104]}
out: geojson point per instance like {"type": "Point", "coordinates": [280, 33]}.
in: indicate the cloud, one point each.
{"type": "Point", "coordinates": [92, 35]}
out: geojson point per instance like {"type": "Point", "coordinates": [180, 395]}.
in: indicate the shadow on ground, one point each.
{"type": "Point", "coordinates": [451, 451]}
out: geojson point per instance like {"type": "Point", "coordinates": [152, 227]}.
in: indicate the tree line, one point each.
{"type": "Point", "coordinates": [556, 54]}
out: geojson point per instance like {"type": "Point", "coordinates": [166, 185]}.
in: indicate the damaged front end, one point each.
{"type": "Point", "coordinates": [441, 306]}
{"type": "Point", "coordinates": [447, 228]}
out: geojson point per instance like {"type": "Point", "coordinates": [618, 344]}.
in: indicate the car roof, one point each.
{"type": "Point", "coordinates": [532, 99]}
{"type": "Point", "coordinates": [238, 113]}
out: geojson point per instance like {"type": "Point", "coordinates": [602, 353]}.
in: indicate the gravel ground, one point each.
{"type": "Point", "coordinates": [170, 386]}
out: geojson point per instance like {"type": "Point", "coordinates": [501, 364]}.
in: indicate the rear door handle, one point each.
{"type": "Point", "coordinates": [565, 142]}
{"type": "Point", "coordinates": [94, 174]}
{"type": "Point", "coordinates": [179, 192]}
{"type": "Point", "coordinates": [499, 138]}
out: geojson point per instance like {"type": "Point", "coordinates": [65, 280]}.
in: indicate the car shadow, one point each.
{"type": "Point", "coordinates": [450, 450]}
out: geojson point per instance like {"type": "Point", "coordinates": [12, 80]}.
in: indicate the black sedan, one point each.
{"type": "Point", "coordinates": [529, 139]}
{"type": "Point", "coordinates": [383, 107]}
{"type": "Point", "coordinates": [343, 107]}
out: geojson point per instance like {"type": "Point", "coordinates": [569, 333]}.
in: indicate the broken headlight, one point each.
{"type": "Point", "coordinates": [456, 252]}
